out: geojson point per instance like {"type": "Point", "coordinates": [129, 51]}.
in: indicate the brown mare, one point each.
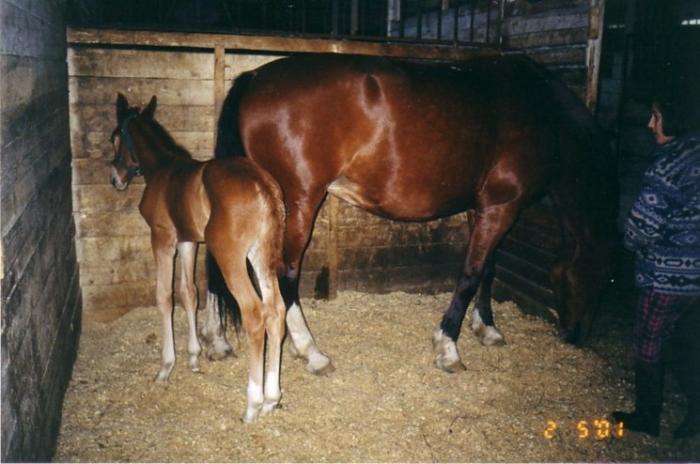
{"type": "Point", "coordinates": [415, 142]}
{"type": "Point", "coordinates": [236, 209]}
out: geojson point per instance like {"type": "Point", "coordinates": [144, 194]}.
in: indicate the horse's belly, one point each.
{"type": "Point", "coordinates": [414, 204]}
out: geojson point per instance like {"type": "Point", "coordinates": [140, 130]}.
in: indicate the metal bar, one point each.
{"type": "Point", "coordinates": [419, 19]}
{"type": "Point", "coordinates": [488, 22]}
{"type": "Point", "coordinates": [455, 23]}
{"type": "Point", "coordinates": [335, 17]}
{"type": "Point", "coordinates": [441, 8]}
{"type": "Point", "coordinates": [402, 18]}
{"type": "Point", "coordinates": [501, 16]}
{"type": "Point", "coordinates": [471, 21]}
{"type": "Point", "coordinates": [354, 17]}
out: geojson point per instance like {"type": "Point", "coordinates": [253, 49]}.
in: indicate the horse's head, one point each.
{"type": "Point", "coordinates": [126, 164]}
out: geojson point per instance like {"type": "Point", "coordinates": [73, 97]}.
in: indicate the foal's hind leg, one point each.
{"type": "Point", "coordinates": [165, 254]}
{"type": "Point", "coordinates": [213, 332]}
{"type": "Point", "coordinates": [491, 224]}
{"type": "Point", "coordinates": [274, 316]}
{"type": "Point", "coordinates": [188, 296]}
{"type": "Point", "coordinates": [483, 325]}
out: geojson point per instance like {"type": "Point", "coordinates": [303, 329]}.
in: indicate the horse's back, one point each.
{"type": "Point", "coordinates": [405, 140]}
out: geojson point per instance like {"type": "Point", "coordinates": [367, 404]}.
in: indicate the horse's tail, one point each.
{"type": "Point", "coordinates": [225, 301]}
{"type": "Point", "coordinates": [228, 134]}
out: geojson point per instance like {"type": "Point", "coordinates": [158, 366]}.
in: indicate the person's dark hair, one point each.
{"type": "Point", "coordinates": [673, 111]}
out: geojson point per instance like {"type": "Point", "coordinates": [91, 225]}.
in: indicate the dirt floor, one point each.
{"type": "Point", "coordinates": [385, 402]}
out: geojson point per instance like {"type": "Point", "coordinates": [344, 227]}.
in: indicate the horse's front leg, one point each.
{"type": "Point", "coordinates": [187, 251]}
{"type": "Point", "coordinates": [483, 325]}
{"type": "Point", "coordinates": [300, 220]}
{"type": "Point", "coordinates": [164, 251]}
{"type": "Point", "coordinates": [492, 222]}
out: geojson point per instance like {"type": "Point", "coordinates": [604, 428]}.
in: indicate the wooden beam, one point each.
{"type": "Point", "coordinates": [219, 77]}
{"type": "Point", "coordinates": [595, 41]}
{"type": "Point", "coordinates": [209, 41]}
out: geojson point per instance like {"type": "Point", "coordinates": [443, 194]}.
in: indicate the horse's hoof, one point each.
{"type": "Point", "coordinates": [446, 356]}
{"type": "Point", "coordinates": [322, 371]}
{"type": "Point", "coordinates": [452, 368]}
{"type": "Point", "coordinates": [490, 336]}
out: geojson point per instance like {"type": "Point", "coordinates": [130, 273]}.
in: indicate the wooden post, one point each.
{"type": "Point", "coordinates": [332, 248]}
{"type": "Point", "coordinates": [219, 77]}
{"type": "Point", "coordinates": [595, 40]}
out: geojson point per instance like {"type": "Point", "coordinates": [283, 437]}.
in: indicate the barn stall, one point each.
{"type": "Point", "coordinates": [350, 250]}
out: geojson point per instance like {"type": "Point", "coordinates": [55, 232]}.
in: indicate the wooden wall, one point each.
{"type": "Point", "coordinates": [40, 292]}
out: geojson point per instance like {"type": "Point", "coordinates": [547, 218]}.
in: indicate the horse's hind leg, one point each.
{"type": "Point", "coordinates": [492, 222]}
{"type": "Point", "coordinates": [213, 331]}
{"type": "Point", "coordinates": [188, 296]}
{"type": "Point", "coordinates": [483, 325]}
{"type": "Point", "coordinates": [165, 255]}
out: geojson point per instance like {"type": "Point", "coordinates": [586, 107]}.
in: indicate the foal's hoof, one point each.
{"type": "Point", "coordinates": [163, 374]}
{"type": "Point", "coordinates": [217, 355]}
{"type": "Point", "coordinates": [270, 407]}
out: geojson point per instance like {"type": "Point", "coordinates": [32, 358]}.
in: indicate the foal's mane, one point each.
{"type": "Point", "coordinates": [162, 142]}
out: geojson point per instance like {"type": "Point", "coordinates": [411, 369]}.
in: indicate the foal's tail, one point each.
{"type": "Point", "coordinates": [225, 301]}
{"type": "Point", "coordinates": [228, 134]}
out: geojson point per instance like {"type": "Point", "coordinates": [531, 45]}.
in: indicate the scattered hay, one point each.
{"type": "Point", "coordinates": [385, 402]}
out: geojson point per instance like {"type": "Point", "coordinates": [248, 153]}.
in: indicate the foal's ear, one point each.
{"type": "Point", "coordinates": [150, 110]}
{"type": "Point", "coordinates": [122, 106]}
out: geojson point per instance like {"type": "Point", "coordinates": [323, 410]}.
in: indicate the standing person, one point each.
{"type": "Point", "coordinates": [663, 230]}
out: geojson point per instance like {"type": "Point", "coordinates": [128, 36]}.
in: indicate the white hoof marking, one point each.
{"type": "Point", "coordinates": [446, 355]}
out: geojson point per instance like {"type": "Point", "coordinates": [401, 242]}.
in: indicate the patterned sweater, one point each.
{"type": "Point", "coordinates": [663, 226]}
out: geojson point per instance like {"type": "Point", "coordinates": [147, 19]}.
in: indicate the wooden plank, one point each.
{"type": "Point", "coordinates": [27, 78]}
{"type": "Point", "coordinates": [219, 77]}
{"type": "Point", "coordinates": [111, 273]}
{"type": "Point", "coordinates": [595, 45]}
{"type": "Point", "coordinates": [237, 63]}
{"type": "Point", "coordinates": [110, 224]}
{"type": "Point", "coordinates": [101, 118]}
{"type": "Point", "coordinates": [549, 21]}
{"type": "Point", "coordinates": [270, 44]}
{"type": "Point", "coordinates": [94, 148]}
{"type": "Point", "coordinates": [85, 90]}
{"type": "Point", "coordinates": [139, 63]}
{"type": "Point", "coordinates": [547, 38]}
{"type": "Point", "coordinates": [89, 198]}
{"type": "Point", "coordinates": [114, 249]}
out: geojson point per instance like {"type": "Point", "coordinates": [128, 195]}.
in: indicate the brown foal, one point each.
{"type": "Point", "coordinates": [234, 207]}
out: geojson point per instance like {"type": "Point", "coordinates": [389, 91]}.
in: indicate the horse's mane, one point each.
{"type": "Point", "coordinates": [163, 143]}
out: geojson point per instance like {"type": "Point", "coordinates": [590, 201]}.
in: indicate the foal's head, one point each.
{"type": "Point", "coordinates": [126, 165]}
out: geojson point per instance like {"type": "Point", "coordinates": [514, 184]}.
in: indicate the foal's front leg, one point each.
{"type": "Point", "coordinates": [187, 251]}
{"type": "Point", "coordinates": [165, 255]}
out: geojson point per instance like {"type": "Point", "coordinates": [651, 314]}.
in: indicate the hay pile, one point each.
{"type": "Point", "coordinates": [385, 402]}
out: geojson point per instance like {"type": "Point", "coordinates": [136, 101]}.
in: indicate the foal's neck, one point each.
{"type": "Point", "coordinates": [156, 149]}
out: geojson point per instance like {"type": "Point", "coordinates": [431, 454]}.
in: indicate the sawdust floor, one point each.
{"type": "Point", "coordinates": [385, 402]}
